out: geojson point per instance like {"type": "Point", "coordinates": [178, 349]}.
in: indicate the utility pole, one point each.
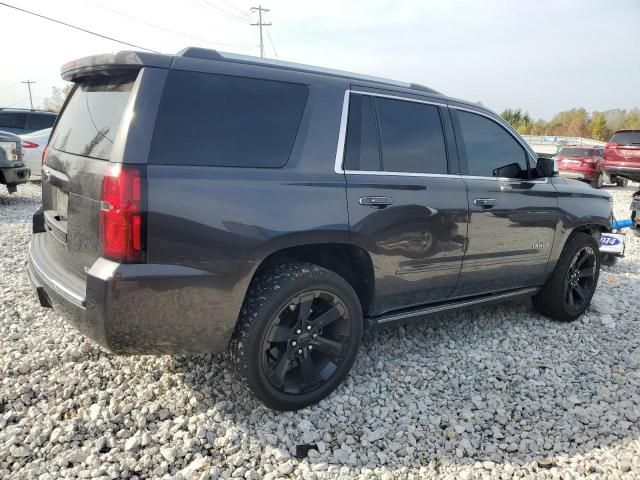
{"type": "Point", "coordinates": [29, 82]}
{"type": "Point", "coordinates": [260, 24]}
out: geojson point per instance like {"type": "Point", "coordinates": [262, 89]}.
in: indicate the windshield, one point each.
{"type": "Point", "coordinates": [577, 152]}
{"type": "Point", "coordinates": [91, 118]}
{"type": "Point", "coordinates": [631, 137]}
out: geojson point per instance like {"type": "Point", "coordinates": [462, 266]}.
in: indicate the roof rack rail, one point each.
{"type": "Point", "coordinates": [211, 54]}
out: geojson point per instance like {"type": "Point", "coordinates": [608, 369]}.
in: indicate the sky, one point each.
{"type": "Point", "coordinates": [538, 55]}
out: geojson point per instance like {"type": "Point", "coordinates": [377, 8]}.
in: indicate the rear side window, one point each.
{"type": "Point", "coordinates": [631, 137]}
{"type": "Point", "coordinates": [226, 121]}
{"type": "Point", "coordinates": [394, 136]}
{"type": "Point", "coordinates": [361, 151]}
{"type": "Point", "coordinates": [489, 149]}
{"type": "Point", "coordinates": [411, 137]}
{"type": "Point", "coordinates": [40, 121]}
{"type": "Point", "coordinates": [91, 118]}
{"type": "Point", "coordinates": [12, 119]}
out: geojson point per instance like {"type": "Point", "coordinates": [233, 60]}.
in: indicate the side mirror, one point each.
{"type": "Point", "coordinates": [546, 167]}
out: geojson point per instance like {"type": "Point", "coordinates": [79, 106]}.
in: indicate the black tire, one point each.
{"type": "Point", "coordinates": [622, 182]}
{"type": "Point", "coordinates": [258, 346]}
{"type": "Point", "coordinates": [598, 182]}
{"type": "Point", "coordinates": [555, 297]}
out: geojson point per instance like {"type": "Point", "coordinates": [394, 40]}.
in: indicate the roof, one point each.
{"type": "Point", "coordinates": [127, 60]}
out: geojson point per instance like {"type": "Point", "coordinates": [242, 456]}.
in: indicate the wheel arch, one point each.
{"type": "Point", "coordinates": [351, 262]}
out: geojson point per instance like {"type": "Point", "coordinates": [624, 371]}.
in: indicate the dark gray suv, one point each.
{"type": "Point", "coordinates": [209, 202]}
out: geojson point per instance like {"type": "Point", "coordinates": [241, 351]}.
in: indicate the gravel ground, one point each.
{"type": "Point", "coordinates": [497, 392]}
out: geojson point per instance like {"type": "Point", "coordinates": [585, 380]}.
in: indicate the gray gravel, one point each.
{"type": "Point", "coordinates": [497, 392]}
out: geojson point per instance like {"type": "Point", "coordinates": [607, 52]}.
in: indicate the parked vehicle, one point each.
{"type": "Point", "coordinates": [622, 157]}
{"type": "Point", "coordinates": [211, 202]}
{"type": "Point", "coordinates": [12, 169]}
{"type": "Point", "coordinates": [20, 120]}
{"type": "Point", "coordinates": [33, 144]}
{"type": "Point", "coordinates": [582, 163]}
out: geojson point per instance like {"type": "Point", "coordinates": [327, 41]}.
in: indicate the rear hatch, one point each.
{"type": "Point", "coordinates": [80, 153]}
{"type": "Point", "coordinates": [623, 149]}
{"type": "Point", "coordinates": [576, 158]}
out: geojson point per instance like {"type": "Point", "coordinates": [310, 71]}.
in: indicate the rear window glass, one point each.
{"type": "Point", "coordinates": [12, 119]}
{"type": "Point", "coordinates": [626, 138]}
{"type": "Point", "coordinates": [577, 152]}
{"type": "Point", "coordinates": [39, 121]}
{"type": "Point", "coordinates": [226, 121]}
{"type": "Point", "coordinates": [90, 120]}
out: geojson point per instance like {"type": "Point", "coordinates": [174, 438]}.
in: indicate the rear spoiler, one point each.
{"type": "Point", "coordinates": [110, 64]}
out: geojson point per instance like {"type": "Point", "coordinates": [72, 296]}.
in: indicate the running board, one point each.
{"type": "Point", "coordinates": [416, 314]}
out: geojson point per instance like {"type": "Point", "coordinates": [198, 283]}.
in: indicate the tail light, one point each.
{"type": "Point", "coordinates": [122, 226]}
{"type": "Point", "coordinates": [589, 160]}
{"type": "Point", "coordinates": [44, 154]}
{"type": "Point", "coordinates": [611, 145]}
{"type": "Point", "coordinates": [26, 144]}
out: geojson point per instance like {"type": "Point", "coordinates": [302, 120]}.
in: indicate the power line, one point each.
{"type": "Point", "coordinates": [77, 28]}
{"type": "Point", "coordinates": [260, 24]}
{"type": "Point", "coordinates": [28, 83]}
{"type": "Point", "coordinates": [218, 11]}
{"type": "Point", "coordinates": [272, 44]}
{"type": "Point", "coordinates": [242, 12]}
{"type": "Point", "coordinates": [159, 27]}
{"type": "Point", "coordinates": [242, 18]}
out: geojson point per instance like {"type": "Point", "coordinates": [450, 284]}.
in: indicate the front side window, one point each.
{"type": "Point", "coordinates": [226, 121]}
{"type": "Point", "coordinates": [489, 149]}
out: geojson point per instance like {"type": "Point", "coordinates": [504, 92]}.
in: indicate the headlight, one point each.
{"type": "Point", "coordinates": [10, 150]}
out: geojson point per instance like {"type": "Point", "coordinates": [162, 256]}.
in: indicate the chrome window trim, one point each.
{"type": "Point", "coordinates": [342, 133]}
{"type": "Point", "coordinates": [342, 137]}
{"type": "Point", "coordinates": [397, 97]}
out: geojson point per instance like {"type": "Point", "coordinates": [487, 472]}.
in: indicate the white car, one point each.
{"type": "Point", "coordinates": [32, 145]}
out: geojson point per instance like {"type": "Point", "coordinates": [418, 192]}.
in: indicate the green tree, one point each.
{"type": "Point", "coordinates": [599, 129]}
{"type": "Point", "coordinates": [632, 119]}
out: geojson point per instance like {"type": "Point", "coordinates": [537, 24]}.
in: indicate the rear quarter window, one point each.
{"type": "Point", "coordinates": [226, 121]}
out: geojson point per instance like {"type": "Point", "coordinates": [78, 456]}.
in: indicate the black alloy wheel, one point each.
{"type": "Point", "coordinates": [580, 279]}
{"type": "Point", "coordinates": [306, 342]}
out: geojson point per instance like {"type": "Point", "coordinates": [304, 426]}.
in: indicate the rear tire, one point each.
{"type": "Point", "coordinates": [622, 182]}
{"type": "Point", "coordinates": [297, 336]}
{"type": "Point", "coordinates": [568, 292]}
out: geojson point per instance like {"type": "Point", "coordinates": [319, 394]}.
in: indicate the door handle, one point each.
{"type": "Point", "coordinates": [485, 203]}
{"type": "Point", "coordinates": [376, 201]}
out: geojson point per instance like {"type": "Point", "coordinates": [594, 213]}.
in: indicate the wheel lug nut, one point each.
{"type": "Point", "coordinates": [293, 343]}
{"type": "Point", "coordinates": [308, 327]}
{"type": "Point", "coordinates": [315, 335]}
{"type": "Point", "coordinates": [299, 351]}
{"type": "Point", "coordinates": [298, 332]}
{"type": "Point", "coordinates": [310, 347]}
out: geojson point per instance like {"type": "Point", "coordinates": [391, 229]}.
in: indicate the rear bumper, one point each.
{"type": "Point", "coordinates": [14, 175]}
{"type": "Point", "coordinates": [632, 173]}
{"type": "Point", "coordinates": [134, 308]}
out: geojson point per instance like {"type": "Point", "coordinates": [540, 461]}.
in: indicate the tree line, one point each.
{"type": "Point", "coordinates": [576, 122]}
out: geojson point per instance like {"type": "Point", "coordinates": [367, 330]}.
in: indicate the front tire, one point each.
{"type": "Point", "coordinates": [598, 182]}
{"type": "Point", "coordinates": [568, 292]}
{"type": "Point", "coordinates": [297, 336]}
